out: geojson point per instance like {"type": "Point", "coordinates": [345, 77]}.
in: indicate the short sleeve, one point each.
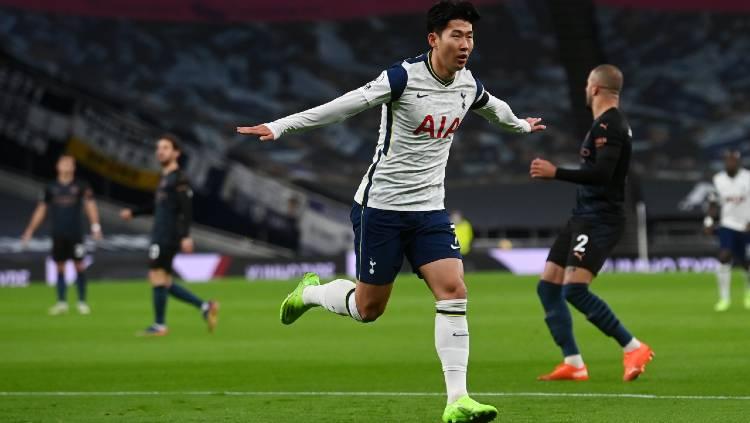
{"type": "Point", "coordinates": [46, 195]}
{"type": "Point", "coordinates": [86, 192]}
{"type": "Point", "coordinates": [183, 185]}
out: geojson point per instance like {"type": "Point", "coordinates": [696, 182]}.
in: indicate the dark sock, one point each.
{"type": "Point", "coordinates": [160, 304]}
{"type": "Point", "coordinates": [557, 316]}
{"type": "Point", "coordinates": [596, 311]}
{"type": "Point", "coordinates": [61, 287]}
{"type": "Point", "coordinates": [183, 294]}
{"type": "Point", "coordinates": [81, 286]}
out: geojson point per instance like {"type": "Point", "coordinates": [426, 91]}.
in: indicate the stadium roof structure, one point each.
{"type": "Point", "coordinates": [295, 10]}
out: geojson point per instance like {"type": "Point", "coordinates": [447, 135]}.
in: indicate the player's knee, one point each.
{"type": "Point", "coordinates": [456, 291]}
{"type": "Point", "coordinates": [157, 278]}
{"type": "Point", "coordinates": [725, 257]}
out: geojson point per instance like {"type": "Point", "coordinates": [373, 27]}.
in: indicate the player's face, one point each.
{"type": "Point", "coordinates": [731, 163]}
{"type": "Point", "coordinates": [66, 166]}
{"type": "Point", "coordinates": [165, 152]}
{"type": "Point", "coordinates": [454, 45]}
{"type": "Point", "coordinates": [590, 87]}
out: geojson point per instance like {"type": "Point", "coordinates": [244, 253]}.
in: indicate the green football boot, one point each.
{"type": "Point", "coordinates": [293, 307]}
{"type": "Point", "coordinates": [466, 410]}
{"type": "Point", "coordinates": [722, 305]}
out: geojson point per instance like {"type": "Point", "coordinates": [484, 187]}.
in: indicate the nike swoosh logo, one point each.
{"type": "Point", "coordinates": [460, 334]}
{"type": "Point", "coordinates": [421, 96]}
{"type": "Point", "coordinates": [456, 247]}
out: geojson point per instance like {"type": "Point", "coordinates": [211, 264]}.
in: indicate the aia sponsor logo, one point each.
{"type": "Point", "coordinates": [428, 127]}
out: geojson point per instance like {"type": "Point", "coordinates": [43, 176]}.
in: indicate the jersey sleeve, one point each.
{"type": "Point", "coordinates": [46, 195]}
{"type": "Point", "coordinates": [497, 111]}
{"type": "Point", "coordinates": [388, 86]}
{"type": "Point", "coordinates": [185, 204]}
{"type": "Point", "coordinates": [609, 133]}
{"type": "Point", "coordinates": [86, 192]}
{"type": "Point", "coordinates": [608, 141]}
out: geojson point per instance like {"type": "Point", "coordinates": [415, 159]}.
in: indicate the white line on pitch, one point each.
{"type": "Point", "coordinates": [364, 394]}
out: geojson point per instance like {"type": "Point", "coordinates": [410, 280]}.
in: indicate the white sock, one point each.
{"type": "Point", "coordinates": [633, 345]}
{"type": "Point", "coordinates": [724, 279]}
{"type": "Point", "coordinates": [333, 297]}
{"type": "Point", "coordinates": [452, 345]}
{"type": "Point", "coordinates": [574, 360]}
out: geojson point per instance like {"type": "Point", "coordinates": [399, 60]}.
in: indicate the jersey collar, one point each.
{"type": "Point", "coordinates": [428, 62]}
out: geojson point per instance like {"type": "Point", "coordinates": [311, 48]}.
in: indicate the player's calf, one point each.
{"type": "Point", "coordinates": [596, 311]}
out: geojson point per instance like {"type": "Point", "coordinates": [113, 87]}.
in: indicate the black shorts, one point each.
{"type": "Point", "coordinates": [161, 256]}
{"type": "Point", "coordinates": [586, 243]}
{"type": "Point", "coordinates": [64, 249]}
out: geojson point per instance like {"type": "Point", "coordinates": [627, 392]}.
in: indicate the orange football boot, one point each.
{"type": "Point", "coordinates": [635, 362]}
{"type": "Point", "coordinates": [566, 372]}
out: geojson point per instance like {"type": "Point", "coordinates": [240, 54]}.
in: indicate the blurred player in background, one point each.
{"type": "Point", "coordinates": [597, 225]}
{"type": "Point", "coordinates": [464, 231]}
{"type": "Point", "coordinates": [173, 212]}
{"type": "Point", "coordinates": [398, 209]}
{"type": "Point", "coordinates": [730, 201]}
{"type": "Point", "coordinates": [64, 200]}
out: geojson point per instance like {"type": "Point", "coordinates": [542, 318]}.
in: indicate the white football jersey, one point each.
{"type": "Point", "coordinates": [419, 117]}
{"type": "Point", "coordinates": [420, 114]}
{"type": "Point", "coordinates": [734, 198]}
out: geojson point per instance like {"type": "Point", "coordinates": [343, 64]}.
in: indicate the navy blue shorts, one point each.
{"type": "Point", "coordinates": [383, 237]}
{"type": "Point", "coordinates": [64, 249]}
{"type": "Point", "coordinates": [734, 241]}
{"type": "Point", "coordinates": [586, 243]}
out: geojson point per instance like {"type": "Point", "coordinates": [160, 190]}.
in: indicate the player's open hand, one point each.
{"type": "Point", "coordinates": [534, 123]}
{"type": "Point", "coordinates": [187, 245]}
{"type": "Point", "coordinates": [262, 131]}
{"type": "Point", "coordinates": [96, 232]}
{"type": "Point", "coordinates": [542, 169]}
{"type": "Point", "coordinates": [25, 238]}
{"type": "Point", "coordinates": [126, 214]}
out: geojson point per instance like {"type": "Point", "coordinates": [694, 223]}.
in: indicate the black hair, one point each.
{"type": "Point", "coordinates": [732, 152]}
{"type": "Point", "coordinates": [446, 10]}
{"type": "Point", "coordinates": [172, 138]}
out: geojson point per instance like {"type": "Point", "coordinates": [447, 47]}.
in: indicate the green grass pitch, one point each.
{"type": "Point", "coordinates": [256, 370]}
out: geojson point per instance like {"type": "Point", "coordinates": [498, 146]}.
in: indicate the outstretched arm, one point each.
{"type": "Point", "coordinates": [334, 111]}
{"type": "Point", "coordinates": [127, 214]}
{"type": "Point", "coordinates": [370, 95]}
{"type": "Point", "coordinates": [600, 174]}
{"type": "Point", "coordinates": [499, 113]}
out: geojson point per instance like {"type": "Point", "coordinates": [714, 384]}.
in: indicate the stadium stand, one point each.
{"type": "Point", "coordinates": [226, 74]}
